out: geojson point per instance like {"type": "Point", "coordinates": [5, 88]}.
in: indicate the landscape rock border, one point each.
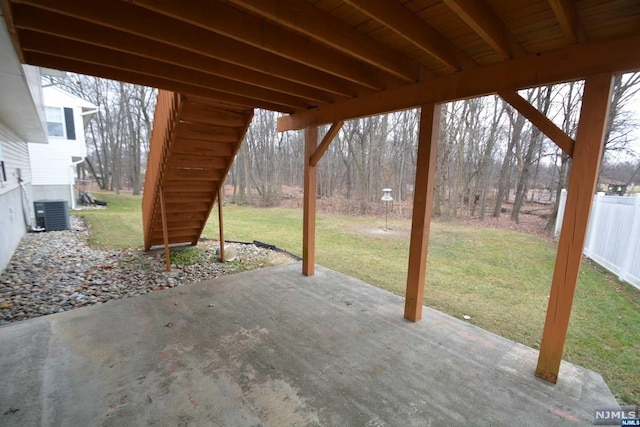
{"type": "Point", "coordinates": [57, 271]}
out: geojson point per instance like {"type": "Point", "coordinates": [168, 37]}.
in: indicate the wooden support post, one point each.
{"type": "Point", "coordinates": [422, 207]}
{"type": "Point", "coordinates": [220, 226]}
{"type": "Point", "coordinates": [165, 231]}
{"type": "Point", "coordinates": [309, 212]}
{"type": "Point", "coordinates": [582, 183]}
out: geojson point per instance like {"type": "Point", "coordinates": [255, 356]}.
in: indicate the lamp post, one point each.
{"type": "Point", "coordinates": [386, 198]}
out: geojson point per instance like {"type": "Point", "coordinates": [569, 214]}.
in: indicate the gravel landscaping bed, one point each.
{"type": "Point", "coordinates": [57, 271]}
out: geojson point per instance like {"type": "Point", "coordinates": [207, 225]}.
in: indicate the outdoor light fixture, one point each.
{"type": "Point", "coordinates": [386, 198]}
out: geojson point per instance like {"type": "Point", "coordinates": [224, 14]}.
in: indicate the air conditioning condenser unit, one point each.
{"type": "Point", "coordinates": [52, 215]}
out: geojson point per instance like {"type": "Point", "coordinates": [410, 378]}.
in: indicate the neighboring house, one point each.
{"type": "Point", "coordinates": [22, 120]}
{"type": "Point", "coordinates": [53, 166]}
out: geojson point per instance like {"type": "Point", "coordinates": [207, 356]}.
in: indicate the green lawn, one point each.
{"type": "Point", "coordinates": [119, 226]}
{"type": "Point", "coordinates": [500, 278]}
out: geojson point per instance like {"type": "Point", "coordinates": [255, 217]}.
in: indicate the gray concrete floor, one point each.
{"type": "Point", "coordinates": [273, 348]}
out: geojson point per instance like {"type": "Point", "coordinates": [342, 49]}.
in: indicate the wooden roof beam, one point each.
{"type": "Point", "coordinates": [314, 22]}
{"type": "Point", "coordinates": [130, 19]}
{"type": "Point", "coordinates": [539, 120]}
{"type": "Point", "coordinates": [567, 15]}
{"type": "Point", "coordinates": [560, 65]}
{"type": "Point", "coordinates": [406, 24]}
{"type": "Point", "coordinates": [261, 34]}
{"type": "Point", "coordinates": [64, 48]}
{"type": "Point", "coordinates": [83, 31]}
{"type": "Point", "coordinates": [51, 61]}
{"type": "Point", "coordinates": [486, 23]}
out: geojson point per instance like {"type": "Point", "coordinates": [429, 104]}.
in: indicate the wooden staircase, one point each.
{"type": "Point", "coordinates": [193, 144]}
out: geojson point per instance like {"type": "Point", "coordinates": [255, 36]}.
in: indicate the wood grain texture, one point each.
{"type": "Point", "coordinates": [582, 183]}
{"type": "Point", "coordinates": [309, 203]}
{"type": "Point", "coordinates": [539, 120]}
{"type": "Point", "coordinates": [422, 208]}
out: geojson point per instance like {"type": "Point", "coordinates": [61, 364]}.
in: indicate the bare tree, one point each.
{"type": "Point", "coordinates": [531, 157]}
{"type": "Point", "coordinates": [118, 136]}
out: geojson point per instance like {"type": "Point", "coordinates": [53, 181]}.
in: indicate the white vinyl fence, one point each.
{"type": "Point", "coordinates": [613, 238]}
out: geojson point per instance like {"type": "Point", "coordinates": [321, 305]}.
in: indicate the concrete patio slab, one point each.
{"type": "Point", "coordinates": [273, 348]}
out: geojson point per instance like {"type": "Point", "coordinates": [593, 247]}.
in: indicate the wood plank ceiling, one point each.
{"type": "Point", "coordinates": [327, 60]}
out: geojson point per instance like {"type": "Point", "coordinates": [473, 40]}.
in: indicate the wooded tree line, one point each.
{"type": "Point", "coordinates": [487, 153]}
{"type": "Point", "coordinates": [118, 135]}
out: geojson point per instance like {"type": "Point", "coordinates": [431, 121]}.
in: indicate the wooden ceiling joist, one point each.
{"type": "Point", "coordinates": [261, 34]}
{"type": "Point", "coordinates": [406, 24]}
{"type": "Point", "coordinates": [134, 20]}
{"type": "Point", "coordinates": [566, 13]}
{"type": "Point", "coordinates": [317, 58]}
{"type": "Point", "coordinates": [484, 21]}
{"type": "Point", "coordinates": [530, 70]}
{"type": "Point", "coordinates": [64, 48]}
{"type": "Point", "coordinates": [55, 62]}
{"type": "Point", "coordinates": [48, 23]}
{"type": "Point", "coordinates": [304, 17]}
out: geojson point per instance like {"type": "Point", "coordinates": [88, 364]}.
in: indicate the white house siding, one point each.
{"type": "Point", "coordinates": [14, 154]}
{"type": "Point", "coordinates": [52, 163]}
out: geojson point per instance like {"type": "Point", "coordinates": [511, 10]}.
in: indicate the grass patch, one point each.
{"type": "Point", "coordinates": [189, 256]}
{"type": "Point", "coordinates": [119, 226]}
{"type": "Point", "coordinates": [500, 278]}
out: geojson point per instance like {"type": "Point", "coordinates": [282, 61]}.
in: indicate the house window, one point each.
{"type": "Point", "coordinates": [55, 124]}
{"type": "Point", "coordinates": [60, 120]}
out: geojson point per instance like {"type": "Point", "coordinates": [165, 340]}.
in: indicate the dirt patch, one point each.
{"type": "Point", "coordinates": [529, 224]}
{"type": "Point", "coordinates": [381, 232]}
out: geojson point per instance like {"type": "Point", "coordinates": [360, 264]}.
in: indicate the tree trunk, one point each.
{"type": "Point", "coordinates": [503, 183]}
{"type": "Point", "coordinates": [565, 166]}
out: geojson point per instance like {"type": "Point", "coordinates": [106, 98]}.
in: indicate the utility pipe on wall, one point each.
{"type": "Point", "coordinates": [72, 182]}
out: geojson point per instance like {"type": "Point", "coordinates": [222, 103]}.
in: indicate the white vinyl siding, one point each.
{"type": "Point", "coordinates": [15, 156]}
{"type": "Point", "coordinates": [51, 163]}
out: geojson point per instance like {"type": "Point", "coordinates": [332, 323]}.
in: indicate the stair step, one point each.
{"type": "Point", "coordinates": [202, 140]}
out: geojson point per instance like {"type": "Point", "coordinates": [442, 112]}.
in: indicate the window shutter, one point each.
{"type": "Point", "coordinates": [68, 119]}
